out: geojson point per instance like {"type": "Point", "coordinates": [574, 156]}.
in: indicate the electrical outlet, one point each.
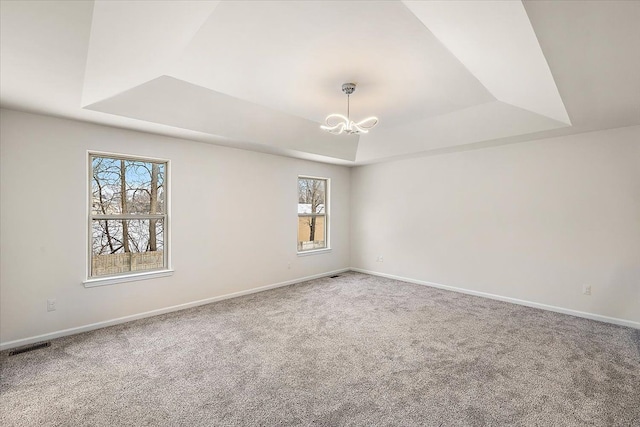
{"type": "Point", "coordinates": [380, 259]}
{"type": "Point", "coordinates": [586, 289]}
{"type": "Point", "coordinates": [51, 304]}
{"type": "Point", "coordinates": [289, 266]}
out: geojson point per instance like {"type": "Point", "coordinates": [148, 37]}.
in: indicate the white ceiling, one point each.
{"type": "Point", "coordinates": [441, 76]}
{"type": "Point", "coordinates": [294, 57]}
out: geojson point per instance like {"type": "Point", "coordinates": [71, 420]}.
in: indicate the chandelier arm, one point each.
{"type": "Point", "coordinates": [330, 128]}
{"type": "Point", "coordinates": [338, 130]}
{"type": "Point", "coordinates": [333, 119]}
{"type": "Point", "coordinates": [358, 129]}
{"type": "Point", "coordinates": [367, 123]}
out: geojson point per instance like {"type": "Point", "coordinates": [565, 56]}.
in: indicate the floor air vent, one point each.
{"type": "Point", "coordinates": [333, 277]}
{"type": "Point", "coordinates": [37, 346]}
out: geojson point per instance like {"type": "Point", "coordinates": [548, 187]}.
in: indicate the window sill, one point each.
{"type": "Point", "coordinates": [134, 277]}
{"type": "Point", "coordinates": [314, 252]}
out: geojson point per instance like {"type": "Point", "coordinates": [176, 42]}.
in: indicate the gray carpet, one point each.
{"type": "Point", "coordinates": [356, 350]}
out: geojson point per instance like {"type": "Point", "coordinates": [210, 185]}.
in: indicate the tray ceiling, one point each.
{"type": "Point", "coordinates": [263, 75]}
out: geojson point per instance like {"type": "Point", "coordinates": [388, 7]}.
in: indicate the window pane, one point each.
{"type": "Point", "coordinates": [127, 186]}
{"type": "Point", "coordinates": [120, 246]}
{"type": "Point", "coordinates": [311, 195]}
{"type": "Point", "coordinates": [105, 186]}
{"type": "Point", "coordinates": [311, 233]}
{"type": "Point", "coordinates": [144, 187]}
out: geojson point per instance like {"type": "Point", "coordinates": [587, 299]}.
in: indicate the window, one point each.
{"type": "Point", "coordinates": [313, 227]}
{"type": "Point", "coordinates": [128, 204]}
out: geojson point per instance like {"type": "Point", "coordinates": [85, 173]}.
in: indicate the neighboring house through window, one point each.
{"type": "Point", "coordinates": [128, 221]}
{"type": "Point", "coordinates": [313, 221]}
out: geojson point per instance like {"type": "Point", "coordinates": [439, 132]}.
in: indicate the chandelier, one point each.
{"type": "Point", "coordinates": [337, 123]}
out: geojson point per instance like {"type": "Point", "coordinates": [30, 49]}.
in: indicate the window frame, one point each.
{"type": "Point", "coordinates": [325, 215]}
{"type": "Point", "coordinates": [129, 276]}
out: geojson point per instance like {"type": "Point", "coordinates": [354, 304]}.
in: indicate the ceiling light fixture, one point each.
{"type": "Point", "coordinates": [337, 123]}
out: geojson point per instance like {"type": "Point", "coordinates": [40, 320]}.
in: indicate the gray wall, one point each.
{"type": "Point", "coordinates": [533, 221]}
{"type": "Point", "coordinates": [234, 223]}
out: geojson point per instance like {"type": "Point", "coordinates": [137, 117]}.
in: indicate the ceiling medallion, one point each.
{"type": "Point", "coordinates": [337, 123]}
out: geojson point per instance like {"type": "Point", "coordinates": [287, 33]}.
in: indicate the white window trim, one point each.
{"type": "Point", "coordinates": [327, 221]}
{"type": "Point", "coordinates": [89, 281]}
{"type": "Point", "coordinates": [126, 277]}
{"type": "Point", "coordinates": [314, 252]}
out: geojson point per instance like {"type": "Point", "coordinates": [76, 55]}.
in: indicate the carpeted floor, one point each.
{"type": "Point", "coordinates": [355, 350]}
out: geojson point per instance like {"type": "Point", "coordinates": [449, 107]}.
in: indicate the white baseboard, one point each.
{"type": "Point", "coordinates": [592, 316]}
{"type": "Point", "coordinates": [98, 325]}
